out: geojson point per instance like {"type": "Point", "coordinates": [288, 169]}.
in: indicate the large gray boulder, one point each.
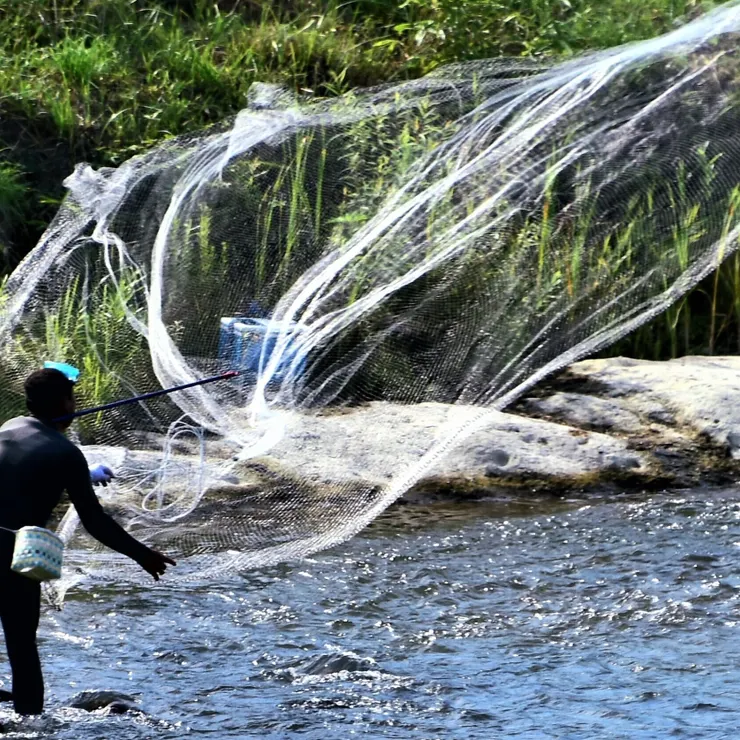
{"type": "Point", "coordinates": [683, 414]}
{"type": "Point", "coordinates": [700, 395]}
{"type": "Point", "coordinates": [601, 422]}
{"type": "Point", "coordinates": [371, 444]}
{"type": "Point", "coordinates": [605, 421]}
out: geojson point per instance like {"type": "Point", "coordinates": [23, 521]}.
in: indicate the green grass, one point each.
{"type": "Point", "coordinates": [14, 204]}
{"type": "Point", "coordinates": [102, 80]}
{"type": "Point", "coordinates": [90, 329]}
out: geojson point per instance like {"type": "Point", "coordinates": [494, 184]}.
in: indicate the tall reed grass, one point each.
{"type": "Point", "coordinates": [89, 327]}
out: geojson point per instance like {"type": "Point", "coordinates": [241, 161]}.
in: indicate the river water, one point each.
{"type": "Point", "coordinates": [606, 618]}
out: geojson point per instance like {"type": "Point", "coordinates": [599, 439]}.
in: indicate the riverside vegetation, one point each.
{"type": "Point", "coordinates": [102, 81]}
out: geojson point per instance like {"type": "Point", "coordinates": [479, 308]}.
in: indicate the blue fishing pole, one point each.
{"type": "Point", "coordinates": [146, 396]}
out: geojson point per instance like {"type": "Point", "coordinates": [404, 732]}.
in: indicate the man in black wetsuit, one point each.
{"type": "Point", "coordinates": [37, 464]}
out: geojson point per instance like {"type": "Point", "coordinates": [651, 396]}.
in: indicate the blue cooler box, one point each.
{"type": "Point", "coordinates": [242, 342]}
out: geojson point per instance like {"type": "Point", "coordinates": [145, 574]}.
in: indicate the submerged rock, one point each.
{"type": "Point", "coordinates": [112, 702]}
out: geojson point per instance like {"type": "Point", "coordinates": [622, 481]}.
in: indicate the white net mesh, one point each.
{"type": "Point", "coordinates": [448, 241]}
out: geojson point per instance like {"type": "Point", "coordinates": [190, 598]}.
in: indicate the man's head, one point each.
{"type": "Point", "coordinates": [49, 395]}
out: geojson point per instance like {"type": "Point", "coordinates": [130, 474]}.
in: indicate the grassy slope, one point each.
{"type": "Point", "coordinates": [100, 80]}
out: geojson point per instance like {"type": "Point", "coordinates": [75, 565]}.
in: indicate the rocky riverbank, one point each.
{"type": "Point", "coordinates": [681, 417]}
{"type": "Point", "coordinates": [614, 423]}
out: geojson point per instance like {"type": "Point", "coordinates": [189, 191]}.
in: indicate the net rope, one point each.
{"type": "Point", "coordinates": [434, 247]}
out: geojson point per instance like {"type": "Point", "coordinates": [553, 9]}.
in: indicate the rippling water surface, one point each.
{"type": "Point", "coordinates": [616, 618]}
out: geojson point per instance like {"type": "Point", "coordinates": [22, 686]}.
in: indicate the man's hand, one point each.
{"type": "Point", "coordinates": [155, 564]}
{"type": "Point", "coordinates": [101, 475]}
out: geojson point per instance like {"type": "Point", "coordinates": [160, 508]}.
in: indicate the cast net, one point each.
{"type": "Point", "coordinates": [386, 269]}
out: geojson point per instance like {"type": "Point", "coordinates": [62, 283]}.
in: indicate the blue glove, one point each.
{"type": "Point", "coordinates": [101, 474]}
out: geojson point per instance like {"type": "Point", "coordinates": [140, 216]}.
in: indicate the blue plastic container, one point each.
{"type": "Point", "coordinates": [246, 344]}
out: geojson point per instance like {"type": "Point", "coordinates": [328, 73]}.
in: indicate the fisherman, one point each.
{"type": "Point", "coordinates": [37, 464]}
